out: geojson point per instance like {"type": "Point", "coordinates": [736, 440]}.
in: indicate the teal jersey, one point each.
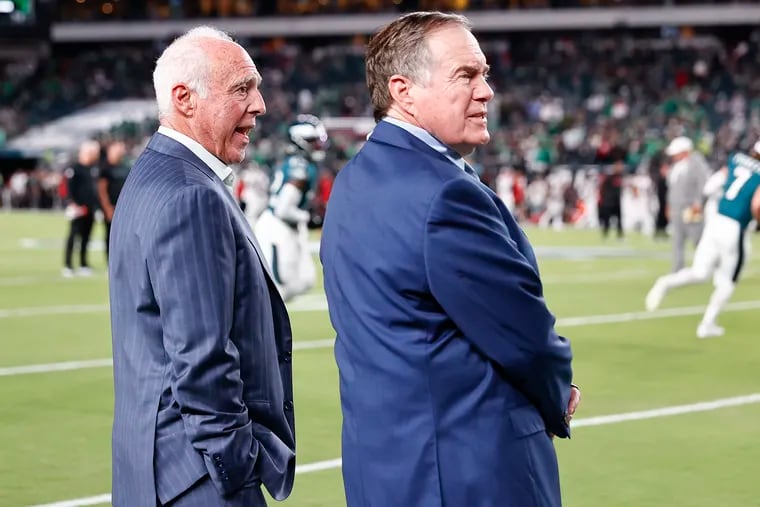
{"type": "Point", "coordinates": [741, 183]}
{"type": "Point", "coordinates": [296, 168]}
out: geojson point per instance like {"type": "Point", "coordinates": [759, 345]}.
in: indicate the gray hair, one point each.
{"type": "Point", "coordinates": [184, 61]}
{"type": "Point", "coordinates": [401, 48]}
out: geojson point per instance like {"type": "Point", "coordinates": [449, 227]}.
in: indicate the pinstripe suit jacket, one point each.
{"type": "Point", "coordinates": [201, 341]}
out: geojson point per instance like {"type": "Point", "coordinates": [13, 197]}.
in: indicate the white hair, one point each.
{"type": "Point", "coordinates": [184, 61]}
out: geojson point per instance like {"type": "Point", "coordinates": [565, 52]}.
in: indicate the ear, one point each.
{"type": "Point", "coordinates": [183, 99]}
{"type": "Point", "coordinates": [401, 91]}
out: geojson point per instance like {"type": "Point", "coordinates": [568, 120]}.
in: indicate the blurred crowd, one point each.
{"type": "Point", "coordinates": [565, 105]}
{"type": "Point", "coordinates": [77, 10]}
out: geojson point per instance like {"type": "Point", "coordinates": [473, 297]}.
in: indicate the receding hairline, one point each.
{"type": "Point", "coordinates": [473, 66]}
{"type": "Point", "coordinates": [204, 42]}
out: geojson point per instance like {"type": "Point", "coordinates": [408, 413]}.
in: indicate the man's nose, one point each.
{"type": "Point", "coordinates": [484, 92]}
{"type": "Point", "coordinates": [257, 106]}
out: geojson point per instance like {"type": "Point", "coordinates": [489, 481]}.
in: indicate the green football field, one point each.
{"type": "Point", "coordinates": [666, 419]}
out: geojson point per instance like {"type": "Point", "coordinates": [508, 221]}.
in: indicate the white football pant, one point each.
{"type": "Point", "coordinates": [721, 252]}
{"type": "Point", "coordinates": [287, 252]}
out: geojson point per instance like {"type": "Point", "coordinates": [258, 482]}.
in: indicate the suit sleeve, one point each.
{"type": "Point", "coordinates": [193, 274]}
{"type": "Point", "coordinates": [493, 294]}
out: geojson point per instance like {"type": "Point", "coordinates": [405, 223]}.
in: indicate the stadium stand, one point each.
{"type": "Point", "coordinates": [565, 99]}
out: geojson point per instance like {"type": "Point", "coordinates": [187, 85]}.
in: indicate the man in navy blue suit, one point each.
{"type": "Point", "coordinates": [452, 378]}
{"type": "Point", "coordinates": [201, 339]}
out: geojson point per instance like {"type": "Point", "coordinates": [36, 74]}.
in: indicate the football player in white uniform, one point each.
{"type": "Point", "coordinates": [282, 228]}
{"type": "Point", "coordinates": [721, 249]}
{"type": "Point", "coordinates": [254, 191]}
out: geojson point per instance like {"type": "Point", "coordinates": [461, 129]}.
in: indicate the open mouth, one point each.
{"type": "Point", "coordinates": [244, 130]}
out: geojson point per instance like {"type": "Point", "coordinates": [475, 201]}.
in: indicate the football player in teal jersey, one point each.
{"type": "Point", "coordinates": [721, 251]}
{"type": "Point", "coordinates": [282, 228]}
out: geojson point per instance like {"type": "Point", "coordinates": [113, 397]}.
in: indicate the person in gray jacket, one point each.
{"type": "Point", "coordinates": [688, 173]}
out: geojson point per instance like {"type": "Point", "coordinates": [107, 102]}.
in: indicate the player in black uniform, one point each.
{"type": "Point", "coordinates": [83, 202]}
{"type": "Point", "coordinates": [111, 178]}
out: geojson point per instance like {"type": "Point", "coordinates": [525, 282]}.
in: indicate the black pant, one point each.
{"type": "Point", "coordinates": [605, 215]}
{"type": "Point", "coordinates": [81, 227]}
{"type": "Point", "coordinates": [108, 237]}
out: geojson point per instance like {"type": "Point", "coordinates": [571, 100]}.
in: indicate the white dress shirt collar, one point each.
{"type": "Point", "coordinates": [223, 171]}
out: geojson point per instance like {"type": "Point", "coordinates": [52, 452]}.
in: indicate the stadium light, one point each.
{"type": "Point", "coordinates": [6, 7]}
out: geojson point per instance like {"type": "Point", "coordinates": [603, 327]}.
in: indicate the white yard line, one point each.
{"type": "Point", "coordinates": [36, 311]}
{"type": "Point", "coordinates": [681, 311]}
{"type": "Point", "coordinates": [317, 302]}
{"type": "Point", "coordinates": [595, 277]}
{"type": "Point", "coordinates": [308, 303]}
{"type": "Point", "coordinates": [587, 320]}
{"type": "Point", "coordinates": [318, 466]}
{"type": "Point", "coordinates": [12, 281]}
{"type": "Point", "coordinates": [704, 406]}
{"type": "Point", "coordinates": [108, 362]}
{"type": "Point", "coordinates": [81, 502]}
{"type": "Point", "coordinates": [50, 367]}
{"type": "Point", "coordinates": [313, 344]}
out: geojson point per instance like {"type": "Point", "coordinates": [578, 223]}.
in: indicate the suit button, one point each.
{"type": "Point", "coordinates": [288, 405]}
{"type": "Point", "coordinates": [285, 356]}
{"type": "Point", "coordinates": [217, 458]}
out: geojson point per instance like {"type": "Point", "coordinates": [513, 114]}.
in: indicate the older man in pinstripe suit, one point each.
{"type": "Point", "coordinates": [201, 339]}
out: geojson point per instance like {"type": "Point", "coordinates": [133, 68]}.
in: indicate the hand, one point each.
{"type": "Point", "coordinates": [575, 400]}
{"type": "Point", "coordinates": [572, 405]}
{"type": "Point", "coordinates": [108, 212]}
{"type": "Point", "coordinates": [74, 211]}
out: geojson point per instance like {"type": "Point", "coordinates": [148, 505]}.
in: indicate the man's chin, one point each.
{"type": "Point", "coordinates": [466, 149]}
{"type": "Point", "coordinates": [235, 157]}
{"type": "Point", "coordinates": [473, 143]}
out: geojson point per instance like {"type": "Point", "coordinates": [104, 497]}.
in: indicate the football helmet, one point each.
{"type": "Point", "coordinates": [308, 133]}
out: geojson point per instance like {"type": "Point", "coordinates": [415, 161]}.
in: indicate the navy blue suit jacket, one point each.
{"type": "Point", "coordinates": [451, 372]}
{"type": "Point", "coordinates": [201, 341]}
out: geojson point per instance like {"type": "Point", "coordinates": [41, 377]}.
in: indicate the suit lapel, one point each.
{"type": "Point", "coordinates": [169, 146]}
{"type": "Point", "coordinates": [387, 133]}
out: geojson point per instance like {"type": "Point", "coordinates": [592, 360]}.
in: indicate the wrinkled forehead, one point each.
{"type": "Point", "coordinates": [455, 45]}
{"type": "Point", "coordinates": [232, 63]}
{"type": "Point", "coordinates": [245, 74]}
